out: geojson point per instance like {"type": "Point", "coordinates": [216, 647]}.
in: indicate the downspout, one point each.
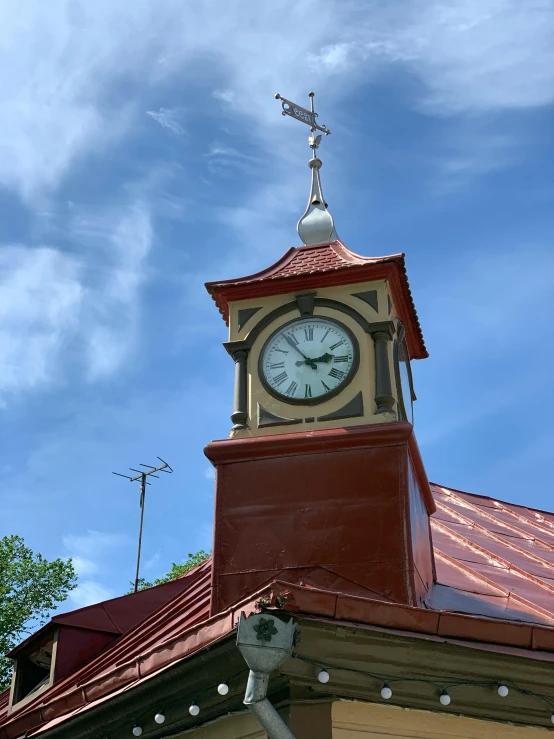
{"type": "Point", "coordinates": [265, 643]}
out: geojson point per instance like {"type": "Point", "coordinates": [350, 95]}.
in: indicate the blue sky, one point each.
{"type": "Point", "coordinates": [143, 153]}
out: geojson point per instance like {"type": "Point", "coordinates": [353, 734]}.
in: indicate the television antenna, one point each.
{"type": "Point", "coordinates": [142, 475]}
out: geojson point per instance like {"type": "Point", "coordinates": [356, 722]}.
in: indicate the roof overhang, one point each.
{"type": "Point", "coordinates": [276, 280]}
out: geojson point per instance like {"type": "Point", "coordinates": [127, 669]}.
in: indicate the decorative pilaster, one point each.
{"type": "Point", "coordinates": [383, 387]}
{"type": "Point", "coordinates": [239, 351]}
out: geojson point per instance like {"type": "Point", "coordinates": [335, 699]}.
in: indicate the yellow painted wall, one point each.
{"type": "Point", "coordinates": [230, 727]}
{"type": "Point", "coordinates": [373, 721]}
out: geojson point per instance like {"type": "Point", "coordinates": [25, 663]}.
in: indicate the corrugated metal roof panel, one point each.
{"type": "Point", "coordinates": [504, 544]}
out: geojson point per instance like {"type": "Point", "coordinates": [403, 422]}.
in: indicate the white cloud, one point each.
{"type": "Point", "coordinates": [61, 69]}
{"type": "Point", "coordinates": [61, 61]}
{"type": "Point", "coordinates": [89, 592]}
{"type": "Point", "coordinates": [40, 299]}
{"type": "Point", "coordinates": [226, 96]}
{"type": "Point", "coordinates": [478, 55]}
{"type": "Point", "coordinates": [123, 242]}
{"type": "Point", "coordinates": [209, 473]}
{"type": "Point", "coordinates": [93, 543]}
{"type": "Point", "coordinates": [152, 561]}
{"type": "Point", "coordinates": [90, 554]}
{"type": "Point", "coordinates": [167, 119]}
{"type": "Point", "coordinates": [53, 303]}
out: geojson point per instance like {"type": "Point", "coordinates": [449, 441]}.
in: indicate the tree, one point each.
{"type": "Point", "coordinates": [30, 589]}
{"type": "Point", "coordinates": [175, 571]}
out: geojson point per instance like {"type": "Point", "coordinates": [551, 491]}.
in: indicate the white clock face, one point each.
{"type": "Point", "coordinates": [307, 360]}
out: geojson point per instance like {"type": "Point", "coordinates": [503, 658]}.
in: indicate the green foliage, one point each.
{"type": "Point", "coordinates": [30, 589]}
{"type": "Point", "coordinates": [175, 571]}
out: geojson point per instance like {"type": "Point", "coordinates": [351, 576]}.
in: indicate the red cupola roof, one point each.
{"type": "Point", "coordinates": [326, 265]}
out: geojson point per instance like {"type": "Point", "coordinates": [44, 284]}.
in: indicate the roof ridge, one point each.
{"type": "Point", "coordinates": [448, 490]}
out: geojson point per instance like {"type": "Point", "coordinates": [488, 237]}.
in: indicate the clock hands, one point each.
{"type": "Point", "coordinates": [310, 362]}
{"type": "Point", "coordinates": [324, 358]}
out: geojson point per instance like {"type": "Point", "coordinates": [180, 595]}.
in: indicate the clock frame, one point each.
{"type": "Point", "coordinates": [332, 393]}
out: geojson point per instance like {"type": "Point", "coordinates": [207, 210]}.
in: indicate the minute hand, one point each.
{"type": "Point", "coordinates": [290, 341]}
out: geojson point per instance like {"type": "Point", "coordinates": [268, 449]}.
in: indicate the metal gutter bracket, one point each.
{"type": "Point", "coordinates": [265, 642]}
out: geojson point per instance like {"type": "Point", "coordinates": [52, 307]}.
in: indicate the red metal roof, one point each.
{"type": "Point", "coordinates": [495, 585]}
{"type": "Point", "coordinates": [120, 663]}
{"type": "Point", "coordinates": [492, 558]}
{"type": "Point", "coordinates": [324, 265]}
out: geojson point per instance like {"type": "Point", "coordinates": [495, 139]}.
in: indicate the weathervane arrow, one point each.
{"type": "Point", "coordinates": [302, 114]}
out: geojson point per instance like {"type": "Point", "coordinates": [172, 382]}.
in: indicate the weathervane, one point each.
{"type": "Point", "coordinates": [316, 225]}
{"type": "Point", "coordinates": [305, 116]}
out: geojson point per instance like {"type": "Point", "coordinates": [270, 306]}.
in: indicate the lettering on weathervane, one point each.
{"type": "Point", "coordinates": [302, 114]}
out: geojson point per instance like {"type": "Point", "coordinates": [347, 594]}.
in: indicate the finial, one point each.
{"type": "Point", "coordinates": [316, 225]}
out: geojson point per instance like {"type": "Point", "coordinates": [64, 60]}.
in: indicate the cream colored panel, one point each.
{"type": "Point", "coordinates": [230, 727]}
{"type": "Point", "coordinates": [343, 294]}
{"type": "Point", "coordinates": [372, 721]}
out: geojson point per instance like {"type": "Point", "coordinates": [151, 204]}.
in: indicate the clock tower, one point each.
{"type": "Point", "coordinates": [321, 480]}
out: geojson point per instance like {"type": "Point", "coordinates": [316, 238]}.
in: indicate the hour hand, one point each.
{"type": "Point", "coordinates": [324, 358]}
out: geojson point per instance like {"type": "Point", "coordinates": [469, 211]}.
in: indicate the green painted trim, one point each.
{"type": "Point", "coordinates": [370, 297]}
{"type": "Point", "coordinates": [266, 418]}
{"type": "Point", "coordinates": [352, 409]}
{"type": "Point", "coordinates": [305, 303]}
{"type": "Point", "coordinates": [245, 314]}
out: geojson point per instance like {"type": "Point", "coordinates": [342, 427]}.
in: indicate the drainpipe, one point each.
{"type": "Point", "coordinates": [265, 643]}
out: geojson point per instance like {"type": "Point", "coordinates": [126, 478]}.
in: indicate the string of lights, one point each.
{"type": "Point", "coordinates": [138, 720]}
{"type": "Point", "coordinates": [442, 686]}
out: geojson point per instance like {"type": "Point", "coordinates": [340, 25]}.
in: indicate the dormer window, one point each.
{"type": "Point", "coordinates": [33, 670]}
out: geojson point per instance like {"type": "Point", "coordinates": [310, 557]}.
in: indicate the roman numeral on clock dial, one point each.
{"type": "Point", "coordinates": [291, 388]}
{"type": "Point", "coordinates": [279, 379]}
{"type": "Point", "coordinates": [337, 374]}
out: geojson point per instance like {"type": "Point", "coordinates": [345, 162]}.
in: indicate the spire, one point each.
{"type": "Point", "coordinates": [316, 225]}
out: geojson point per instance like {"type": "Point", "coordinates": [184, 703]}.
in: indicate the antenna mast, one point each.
{"type": "Point", "coordinates": [142, 475]}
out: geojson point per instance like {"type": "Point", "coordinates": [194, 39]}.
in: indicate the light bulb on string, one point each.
{"type": "Point", "coordinates": [222, 688]}
{"type": "Point", "coordinates": [159, 718]}
{"type": "Point", "coordinates": [386, 692]}
{"type": "Point", "coordinates": [323, 676]}
{"type": "Point", "coordinates": [137, 730]}
{"type": "Point", "coordinates": [194, 710]}
{"type": "Point", "coordinates": [445, 698]}
{"type": "Point", "coordinates": [503, 691]}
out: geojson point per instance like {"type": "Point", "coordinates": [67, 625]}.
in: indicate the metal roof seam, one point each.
{"type": "Point", "coordinates": [499, 539]}
{"type": "Point", "coordinates": [522, 534]}
{"type": "Point", "coordinates": [509, 593]}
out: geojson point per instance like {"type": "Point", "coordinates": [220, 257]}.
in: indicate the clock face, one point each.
{"type": "Point", "coordinates": [308, 360]}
